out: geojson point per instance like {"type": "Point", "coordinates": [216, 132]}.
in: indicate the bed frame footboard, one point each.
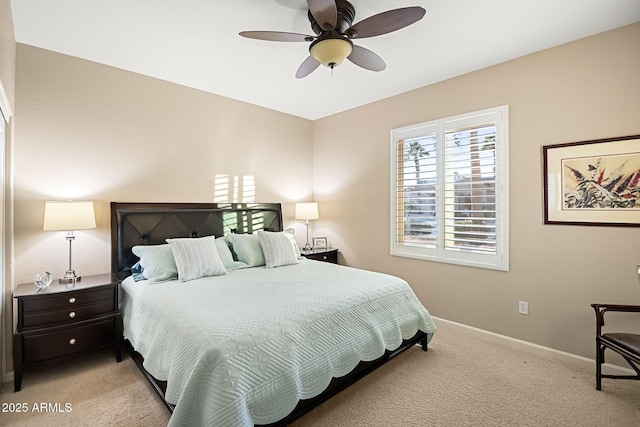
{"type": "Point", "coordinates": [338, 384]}
{"type": "Point", "coordinates": [304, 406]}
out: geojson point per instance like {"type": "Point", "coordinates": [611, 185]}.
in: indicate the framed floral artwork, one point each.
{"type": "Point", "coordinates": [593, 182]}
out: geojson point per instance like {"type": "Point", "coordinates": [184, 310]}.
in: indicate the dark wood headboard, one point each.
{"type": "Point", "coordinates": [151, 223]}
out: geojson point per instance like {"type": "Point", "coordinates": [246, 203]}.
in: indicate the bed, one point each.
{"type": "Point", "coordinates": [244, 340]}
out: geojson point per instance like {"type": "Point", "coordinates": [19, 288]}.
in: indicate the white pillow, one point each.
{"type": "Point", "coordinates": [222, 246]}
{"type": "Point", "coordinates": [248, 248]}
{"type": "Point", "coordinates": [196, 257]}
{"type": "Point", "coordinates": [157, 262]}
{"type": "Point", "coordinates": [279, 248]}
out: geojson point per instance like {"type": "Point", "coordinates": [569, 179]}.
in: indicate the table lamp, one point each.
{"type": "Point", "coordinates": [69, 216]}
{"type": "Point", "coordinates": [307, 211]}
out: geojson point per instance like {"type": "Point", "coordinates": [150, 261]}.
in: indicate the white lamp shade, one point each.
{"type": "Point", "coordinates": [307, 210]}
{"type": "Point", "coordinates": [69, 216]}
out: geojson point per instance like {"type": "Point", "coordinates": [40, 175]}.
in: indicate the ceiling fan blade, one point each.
{"type": "Point", "coordinates": [366, 59]}
{"type": "Point", "coordinates": [386, 22]}
{"type": "Point", "coordinates": [277, 36]}
{"type": "Point", "coordinates": [325, 12]}
{"type": "Point", "coordinates": [307, 67]}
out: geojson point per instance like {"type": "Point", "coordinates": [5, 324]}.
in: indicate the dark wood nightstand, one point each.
{"type": "Point", "coordinates": [324, 254]}
{"type": "Point", "coordinates": [65, 319]}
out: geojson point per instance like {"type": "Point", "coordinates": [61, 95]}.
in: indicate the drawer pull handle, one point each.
{"type": "Point", "coordinates": [72, 314]}
{"type": "Point", "coordinates": [72, 341]}
{"type": "Point", "coordinates": [72, 300]}
{"type": "Point", "coordinates": [324, 257]}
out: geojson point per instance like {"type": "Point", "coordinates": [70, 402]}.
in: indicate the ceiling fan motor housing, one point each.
{"type": "Point", "coordinates": [346, 15]}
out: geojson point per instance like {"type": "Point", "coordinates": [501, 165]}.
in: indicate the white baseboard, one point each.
{"type": "Point", "coordinates": [563, 356]}
{"type": "Point", "coordinates": [7, 377]}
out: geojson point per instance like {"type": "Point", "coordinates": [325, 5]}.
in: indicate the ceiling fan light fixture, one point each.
{"type": "Point", "coordinates": [331, 21]}
{"type": "Point", "coordinates": [330, 52]}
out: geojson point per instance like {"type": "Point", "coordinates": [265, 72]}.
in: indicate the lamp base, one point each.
{"type": "Point", "coordinates": [69, 277]}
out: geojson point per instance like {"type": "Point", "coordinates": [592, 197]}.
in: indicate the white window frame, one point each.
{"type": "Point", "coordinates": [500, 259]}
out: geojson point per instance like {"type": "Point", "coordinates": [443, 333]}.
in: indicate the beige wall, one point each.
{"type": "Point", "coordinates": [88, 131]}
{"type": "Point", "coordinates": [7, 58]}
{"type": "Point", "coordinates": [584, 90]}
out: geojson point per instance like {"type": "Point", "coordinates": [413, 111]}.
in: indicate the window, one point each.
{"type": "Point", "coordinates": [449, 190]}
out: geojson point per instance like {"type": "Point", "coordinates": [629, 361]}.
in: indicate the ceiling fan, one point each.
{"type": "Point", "coordinates": [331, 21]}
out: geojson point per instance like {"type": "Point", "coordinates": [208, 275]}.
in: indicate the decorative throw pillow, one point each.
{"type": "Point", "coordinates": [137, 271]}
{"type": "Point", "coordinates": [226, 256]}
{"type": "Point", "coordinates": [157, 262]}
{"type": "Point", "coordinates": [248, 248]}
{"type": "Point", "coordinates": [196, 257]}
{"type": "Point", "coordinates": [279, 248]}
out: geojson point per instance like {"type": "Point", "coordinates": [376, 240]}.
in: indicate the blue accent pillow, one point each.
{"type": "Point", "coordinates": [137, 272]}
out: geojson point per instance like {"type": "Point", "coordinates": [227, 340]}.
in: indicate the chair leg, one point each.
{"type": "Point", "coordinates": [599, 361]}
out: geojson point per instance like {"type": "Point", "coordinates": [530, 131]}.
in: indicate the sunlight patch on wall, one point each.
{"type": "Point", "coordinates": [234, 189]}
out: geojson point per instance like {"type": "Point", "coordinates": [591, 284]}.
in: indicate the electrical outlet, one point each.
{"type": "Point", "coordinates": [523, 307]}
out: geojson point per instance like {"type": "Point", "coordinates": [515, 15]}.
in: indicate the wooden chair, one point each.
{"type": "Point", "coordinates": [627, 345]}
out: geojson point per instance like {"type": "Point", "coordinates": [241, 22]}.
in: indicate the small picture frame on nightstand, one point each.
{"type": "Point", "coordinates": [320, 242]}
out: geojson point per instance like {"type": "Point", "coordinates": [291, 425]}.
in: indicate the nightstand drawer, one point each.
{"type": "Point", "coordinates": [45, 346]}
{"type": "Point", "coordinates": [328, 255]}
{"type": "Point", "coordinates": [69, 314]}
{"type": "Point", "coordinates": [65, 300]}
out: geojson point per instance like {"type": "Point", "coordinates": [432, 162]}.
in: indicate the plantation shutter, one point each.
{"type": "Point", "coordinates": [470, 189]}
{"type": "Point", "coordinates": [449, 187]}
{"type": "Point", "coordinates": [416, 190]}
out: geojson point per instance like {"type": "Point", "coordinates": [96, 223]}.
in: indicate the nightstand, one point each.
{"type": "Point", "coordinates": [322, 254]}
{"type": "Point", "coordinates": [65, 319]}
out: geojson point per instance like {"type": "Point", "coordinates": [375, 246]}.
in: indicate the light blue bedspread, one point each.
{"type": "Point", "coordinates": [243, 348]}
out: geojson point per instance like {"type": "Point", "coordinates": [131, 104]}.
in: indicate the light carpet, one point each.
{"type": "Point", "coordinates": [463, 380]}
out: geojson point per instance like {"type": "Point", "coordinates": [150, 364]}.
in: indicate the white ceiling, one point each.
{"type": "Point", "coordinates": [195, 43]}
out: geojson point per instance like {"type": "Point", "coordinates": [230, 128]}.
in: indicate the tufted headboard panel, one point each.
{"type": "Point", "coordinates": [151, 223]}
